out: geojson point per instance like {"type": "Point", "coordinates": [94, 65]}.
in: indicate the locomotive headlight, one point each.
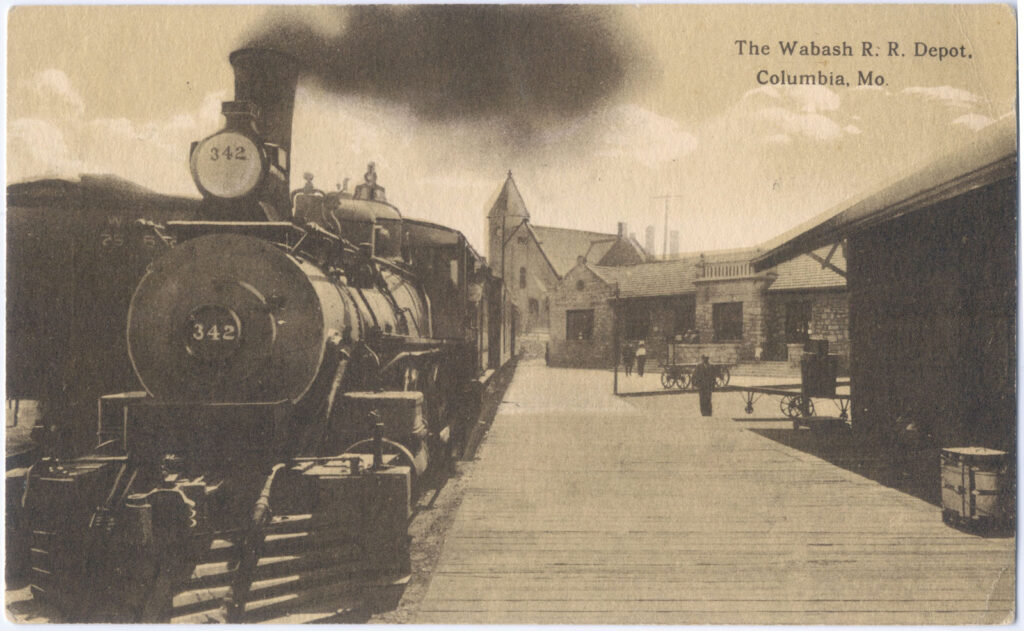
{"type": "Point", "coordinates": [228, 165]}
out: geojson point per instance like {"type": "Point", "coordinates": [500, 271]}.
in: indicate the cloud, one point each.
{"type": "Point", "coordinates": [814, 98]}
{"type": "Point", "coordinates": [37, 148]}
{"type": "Point", "coordinates": [803, 98]}
{"type": "Point", "coordinates": [632, 132]}
{"type": "Point", "coordinates": [54, 85]}
{"type": "Point", "coordinates": [812, 126]}
{"type": "Point", "coordinates": [973, 121]}
{"type": "Point", "coordinates": [947, 95]}
{"type": "Point", "coordinates": [779, 115]}
{"type": "Point", "coordinates": [59, 140]}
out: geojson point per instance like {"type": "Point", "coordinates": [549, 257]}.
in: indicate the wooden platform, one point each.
{"type": "Point", "coordinates": [592, 509]}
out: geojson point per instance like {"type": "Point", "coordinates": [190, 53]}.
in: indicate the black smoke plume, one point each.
{"type": "Point", "coordinates": [519, 63]}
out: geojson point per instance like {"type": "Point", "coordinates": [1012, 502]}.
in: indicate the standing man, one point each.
{"type": "Point", "coordinates": [704, 381]}
{"type": "Point", "coordinates": [641, 359]}
{"type": "Point", "coordinates": [627, 358]}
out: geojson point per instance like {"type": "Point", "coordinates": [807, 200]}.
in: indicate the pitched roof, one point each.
{"type": "Point", "coordinates": [661, 278]}
{"type": "Point", "coordinates": [677, 276]}
{"type": "Point", "coordinates": [563, 245]}
{"type": "Point", "coordinates": [508, 202]}
{"type": "Point", "coordinates": [623, 251]}
{"type": "Point", "coordinates": [991, 157]}
{"type": "Point", "coordinates": [803, 272]}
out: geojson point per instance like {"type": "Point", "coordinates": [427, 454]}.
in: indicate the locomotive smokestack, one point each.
{"type": "Point", "coordinates": [243, 169]}
{"type": "Point", "coordinates": [268, 78]}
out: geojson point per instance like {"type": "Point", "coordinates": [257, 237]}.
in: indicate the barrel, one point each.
{"type": "Point", "coordinates": [975, 486]}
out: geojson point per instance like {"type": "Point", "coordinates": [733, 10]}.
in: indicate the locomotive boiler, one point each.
{"type": "Point", "coordinates": [307, 364]}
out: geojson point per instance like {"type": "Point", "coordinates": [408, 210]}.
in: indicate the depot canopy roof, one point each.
{"type": "Point", "coordinates": [991, 158]}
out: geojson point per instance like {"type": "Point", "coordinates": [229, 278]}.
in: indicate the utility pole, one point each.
{"type": "Point", "coordinates": [616, 343]}
{"type": "Point", "coordinates": [664, 244]}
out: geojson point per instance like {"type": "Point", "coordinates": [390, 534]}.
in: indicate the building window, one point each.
{"type": "Point", "coordinates": [798, 321]}
{"type": "Point", "coordinates": [579, 324]}
{"type": "Point", "coordinates": [636, 323]}
{"type": "Point", "coordinates": [727, 319]}
{"type": "Point", "coordinates": [684, 318]}
{"type": "Point", "coordinates": [522, 278]}
{"type": "Point", "coordinates": [534, 307]}
{"type": "Point", "coordinates": [579, 285]}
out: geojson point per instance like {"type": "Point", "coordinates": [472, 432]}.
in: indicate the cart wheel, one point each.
{"type": "Point", "coordinates": [683, 381]}
{"type": "Point", "coordinates": [722, 379]}
{"type": "Point", "coordinates": [791, 406]}
{"type": "Point", "coordinates": [666, 380]}
{"type": "Point", "coordinates": [786, 405]}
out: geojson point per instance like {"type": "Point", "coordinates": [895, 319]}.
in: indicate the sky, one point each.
{"type": "Point", "coordinates": [603, 114]}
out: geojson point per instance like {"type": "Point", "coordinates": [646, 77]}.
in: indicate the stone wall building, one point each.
{"type": "Point", "coordinates": [562, 286]}
{"type": "Point", "coordinates": [533, 259]}
{"type": "Point", "coordinates": [711, 304]}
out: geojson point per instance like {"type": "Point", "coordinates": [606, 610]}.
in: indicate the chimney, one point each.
{"type": "Point", "coordinates": [649, 240]}
{"type": "Point", "coordinates": [673, 243]}
{"type": "Point", "coordinates": [622, 229]}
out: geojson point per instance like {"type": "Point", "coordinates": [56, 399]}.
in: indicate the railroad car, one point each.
{"type": "Point", "coordinates": [307, 362]}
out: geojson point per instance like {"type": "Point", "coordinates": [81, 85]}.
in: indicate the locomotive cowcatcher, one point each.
{"type": "Point", "coordinates": [306, 363]}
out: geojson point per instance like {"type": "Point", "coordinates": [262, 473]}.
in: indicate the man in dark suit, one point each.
{"type": "Point", "coordinates": [704, 381]}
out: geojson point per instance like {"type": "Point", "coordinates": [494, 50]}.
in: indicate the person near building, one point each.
{"type": "Point", "coordinates": [627, 358]}
{"type": "Point", "coordinates": [704, 381]}
{"type": "Point", "coordinates": [641, 358]}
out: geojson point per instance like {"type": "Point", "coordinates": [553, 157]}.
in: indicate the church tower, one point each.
{"type": "Point", "coordinates": [505, 215]}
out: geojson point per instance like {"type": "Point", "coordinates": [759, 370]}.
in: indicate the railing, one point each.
{"type": "Point", "coordinates": [727, 269]}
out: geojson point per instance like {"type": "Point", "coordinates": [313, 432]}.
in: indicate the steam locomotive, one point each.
{"type": "Point", "coordinates": [308, 361]}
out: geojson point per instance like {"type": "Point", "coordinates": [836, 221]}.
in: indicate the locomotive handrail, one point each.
{"type": "Point", "coordinates": [408, 355]}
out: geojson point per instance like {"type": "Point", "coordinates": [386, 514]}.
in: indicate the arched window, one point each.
{"type": "Point", "coordinates": [522, 278]}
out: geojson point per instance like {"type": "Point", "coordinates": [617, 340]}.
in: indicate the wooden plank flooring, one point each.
{"type": "Point", "coordinates": [592, 509]}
